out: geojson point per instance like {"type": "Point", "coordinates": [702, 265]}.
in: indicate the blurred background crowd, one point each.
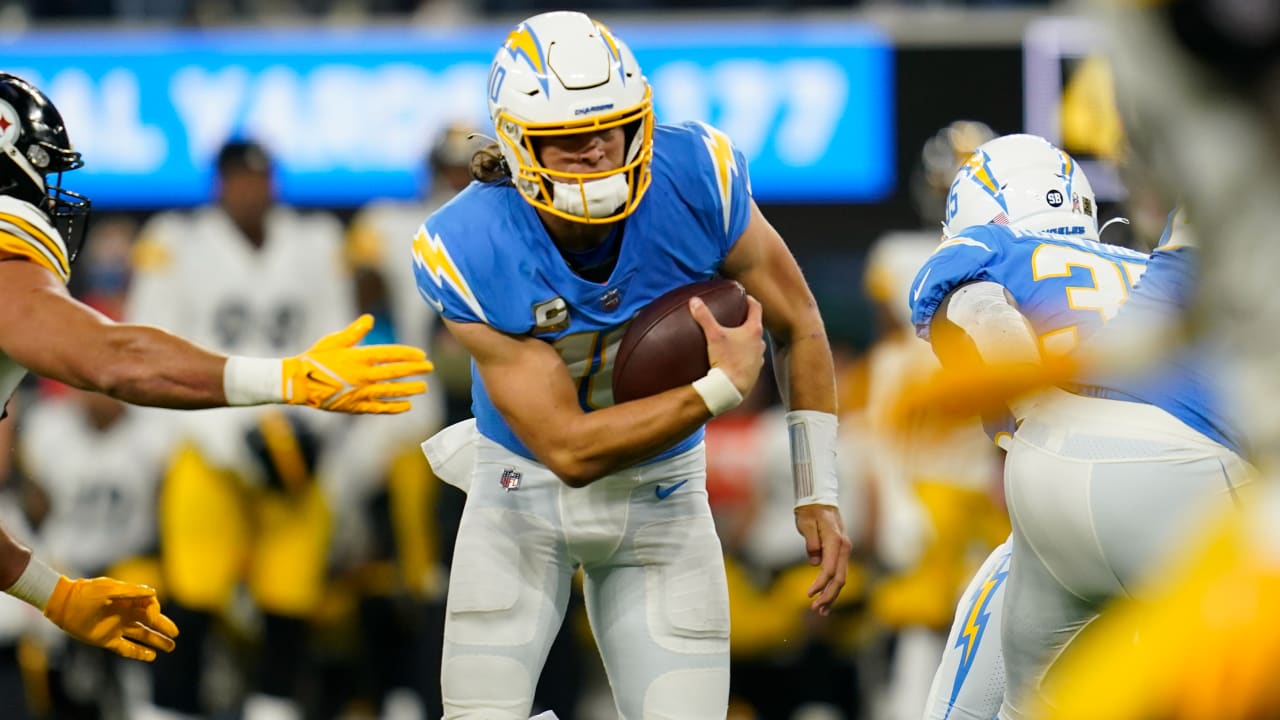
{"type": "Point", "coordinates": [254, 189]}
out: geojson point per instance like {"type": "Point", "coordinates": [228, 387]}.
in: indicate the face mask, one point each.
{"type": "Point", "coordinates": [604, 196]}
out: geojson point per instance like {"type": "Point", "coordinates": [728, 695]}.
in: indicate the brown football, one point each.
{"type": "Point", "coordinates": [665, 347]}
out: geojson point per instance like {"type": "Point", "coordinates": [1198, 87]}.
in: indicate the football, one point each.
{"type": "Point", "coordinates": [664, 347]}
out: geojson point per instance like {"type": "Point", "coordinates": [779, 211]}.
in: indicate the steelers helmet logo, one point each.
{"type": "Point", "coordinates": [1054, 198]}
{"type": "Point", "coordinates": [10, 124]}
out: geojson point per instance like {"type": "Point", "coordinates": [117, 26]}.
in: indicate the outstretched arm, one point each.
{"type": "Point", "coordinates": [50, 333]}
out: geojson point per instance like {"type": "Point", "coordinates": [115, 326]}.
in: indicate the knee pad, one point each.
{"type": "Point", "coordinates": [694, 694]}
{"type": "Point", "coordinates": [502, 580]}
{"type": "Point", "coordinates": [486, 687]}
{"type": "Point", "coordinates": [685, 586]}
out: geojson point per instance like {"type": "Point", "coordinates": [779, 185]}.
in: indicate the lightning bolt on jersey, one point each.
{"type": "Point", "coordinates": [1067, 287]}
{"type": "Point", "coordinates": [486, 257]}
{"type": "Point", "coordinates": [26, 232]}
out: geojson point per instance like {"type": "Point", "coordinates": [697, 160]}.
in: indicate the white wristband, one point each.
{"type": "Point", "coordinates": [35, 585]}
{"type": "Point", "coordinates": [813, 457]}
{"type": "Point", "coordinates": [717, 391]}
{"type": "Point", "coordinates": [253, 381]}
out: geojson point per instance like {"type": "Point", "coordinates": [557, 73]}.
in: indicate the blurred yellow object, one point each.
{"type": "Point", "coordinates": [205, 532]}
{"type": "Point", "coordinates": [959, 519]}
{"type": "Point", "coordinates": [1206, 647]}
{"type": "Point", "coordinates": [291, 544]}
{"type": "Point", "coordinates": [768, 620]}
{"type": "Point", "coordinates": [955, 394]}
{"type": "Point", "coordinates": [1091, 123]}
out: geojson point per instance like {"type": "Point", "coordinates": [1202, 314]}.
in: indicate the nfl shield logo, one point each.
{"type": "Point", "coordinates": [510, 479]}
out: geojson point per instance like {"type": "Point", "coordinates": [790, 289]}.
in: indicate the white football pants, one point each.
{"type": "Point", "coordinates": [969, 683]}
{"type": "Point", "coordinates": [655, 587]}
{"type": "Point", "coordinates": [1099, 492]}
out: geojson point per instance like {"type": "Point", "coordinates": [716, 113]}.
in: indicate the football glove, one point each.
{"type": "Point", "coordinates": [336, 375]}
{"type": "Point", "coordinates": [121, 617]}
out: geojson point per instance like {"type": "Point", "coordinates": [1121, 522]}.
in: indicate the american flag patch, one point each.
{"type": "Point", "coordinates": [1000, 219]}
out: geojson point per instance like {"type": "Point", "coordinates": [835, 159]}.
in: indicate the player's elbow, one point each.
{"type": "Point", "coordinates": [573, 469]}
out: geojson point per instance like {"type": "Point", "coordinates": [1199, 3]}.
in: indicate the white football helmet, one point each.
{"type": "Point", "coordinates": [561, 73]}
{"type": "Point", "coordinates": [1026, 182]}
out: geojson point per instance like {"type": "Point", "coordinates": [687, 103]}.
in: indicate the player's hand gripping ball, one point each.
{"type": "Point", "coordinates": [664, 347]}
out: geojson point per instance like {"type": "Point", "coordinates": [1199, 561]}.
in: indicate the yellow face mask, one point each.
{"type": "Point", "coordinates": [600, 197]}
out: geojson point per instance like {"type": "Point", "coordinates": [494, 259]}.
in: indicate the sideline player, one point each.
{"type": "Point", "coordinates": [1082, 463]}
{"type": "Point", "coordinates": [44, 330]}
{"type": "Point", "coordinates": [586, 213]}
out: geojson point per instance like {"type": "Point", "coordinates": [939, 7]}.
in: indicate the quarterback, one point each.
{"type": "Point", "coordinates": [586, 211]}
{"type": "Point", "coordinates": [44, 330]}
{"type": "Point", "coordinates": [1021, 269]}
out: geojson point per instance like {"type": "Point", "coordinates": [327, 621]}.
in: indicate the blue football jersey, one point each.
{"type": "Point", "coordinates": [486, 257]}
{"type": "Point", "coordinates": [1066, 286]}
{"type": "Point", "coordinates": [1183, 383]}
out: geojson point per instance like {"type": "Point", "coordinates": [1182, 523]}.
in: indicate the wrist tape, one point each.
{"type": "Point", "coordinates": [36, 583]}
{"type": "Point", "coordinates": [717, 391]}
{"type": "Point", "coordinates": [253, 381]}
{"type": "Point", "coordinates": [813, 457]}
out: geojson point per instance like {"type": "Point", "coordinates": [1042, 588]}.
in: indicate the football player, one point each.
{"type": "Point", "coordinates": [586, 212]}
{"type": "Point", "coordinates": [245, 274]}
{"type": "Point", "coordinates": [1020, 270]}
{"type": "Point", "coordinates": [44, 330]}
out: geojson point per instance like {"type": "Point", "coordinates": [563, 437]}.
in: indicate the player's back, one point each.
{"type": "Point", "coordinates": [486, 257]}
{"type": "Point", "coordinates": [1066, 286]}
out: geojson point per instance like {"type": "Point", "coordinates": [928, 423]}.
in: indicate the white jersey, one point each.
{"type": "Point", "coordinates": [200, 278]}
{"type": "Point", "coordinates": [26, 232]}
{"type": "Point", "coordinates": [101, 483]}
{"type": "Point", "coordinates": [383, 234]}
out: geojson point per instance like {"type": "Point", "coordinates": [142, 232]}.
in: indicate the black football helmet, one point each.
{"type": "Point", "coordinates": [34, 152]}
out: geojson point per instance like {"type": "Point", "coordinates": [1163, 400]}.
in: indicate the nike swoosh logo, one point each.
{"type": "Point", "coordinates": [920, 285]}
{"type": "Point", "coordinates": [664, 492]}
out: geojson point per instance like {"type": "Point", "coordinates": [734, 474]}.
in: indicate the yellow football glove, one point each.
{"type": "Point", "coordinates": [121, 617]}
{"type": "Point", "coordinates": [336, 375]}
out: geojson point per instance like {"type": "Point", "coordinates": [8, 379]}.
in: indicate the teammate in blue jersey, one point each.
{"type": "Point", "coordinates": [585, 212]}
{"type": "Point", "coordinates": [1084, 464]}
